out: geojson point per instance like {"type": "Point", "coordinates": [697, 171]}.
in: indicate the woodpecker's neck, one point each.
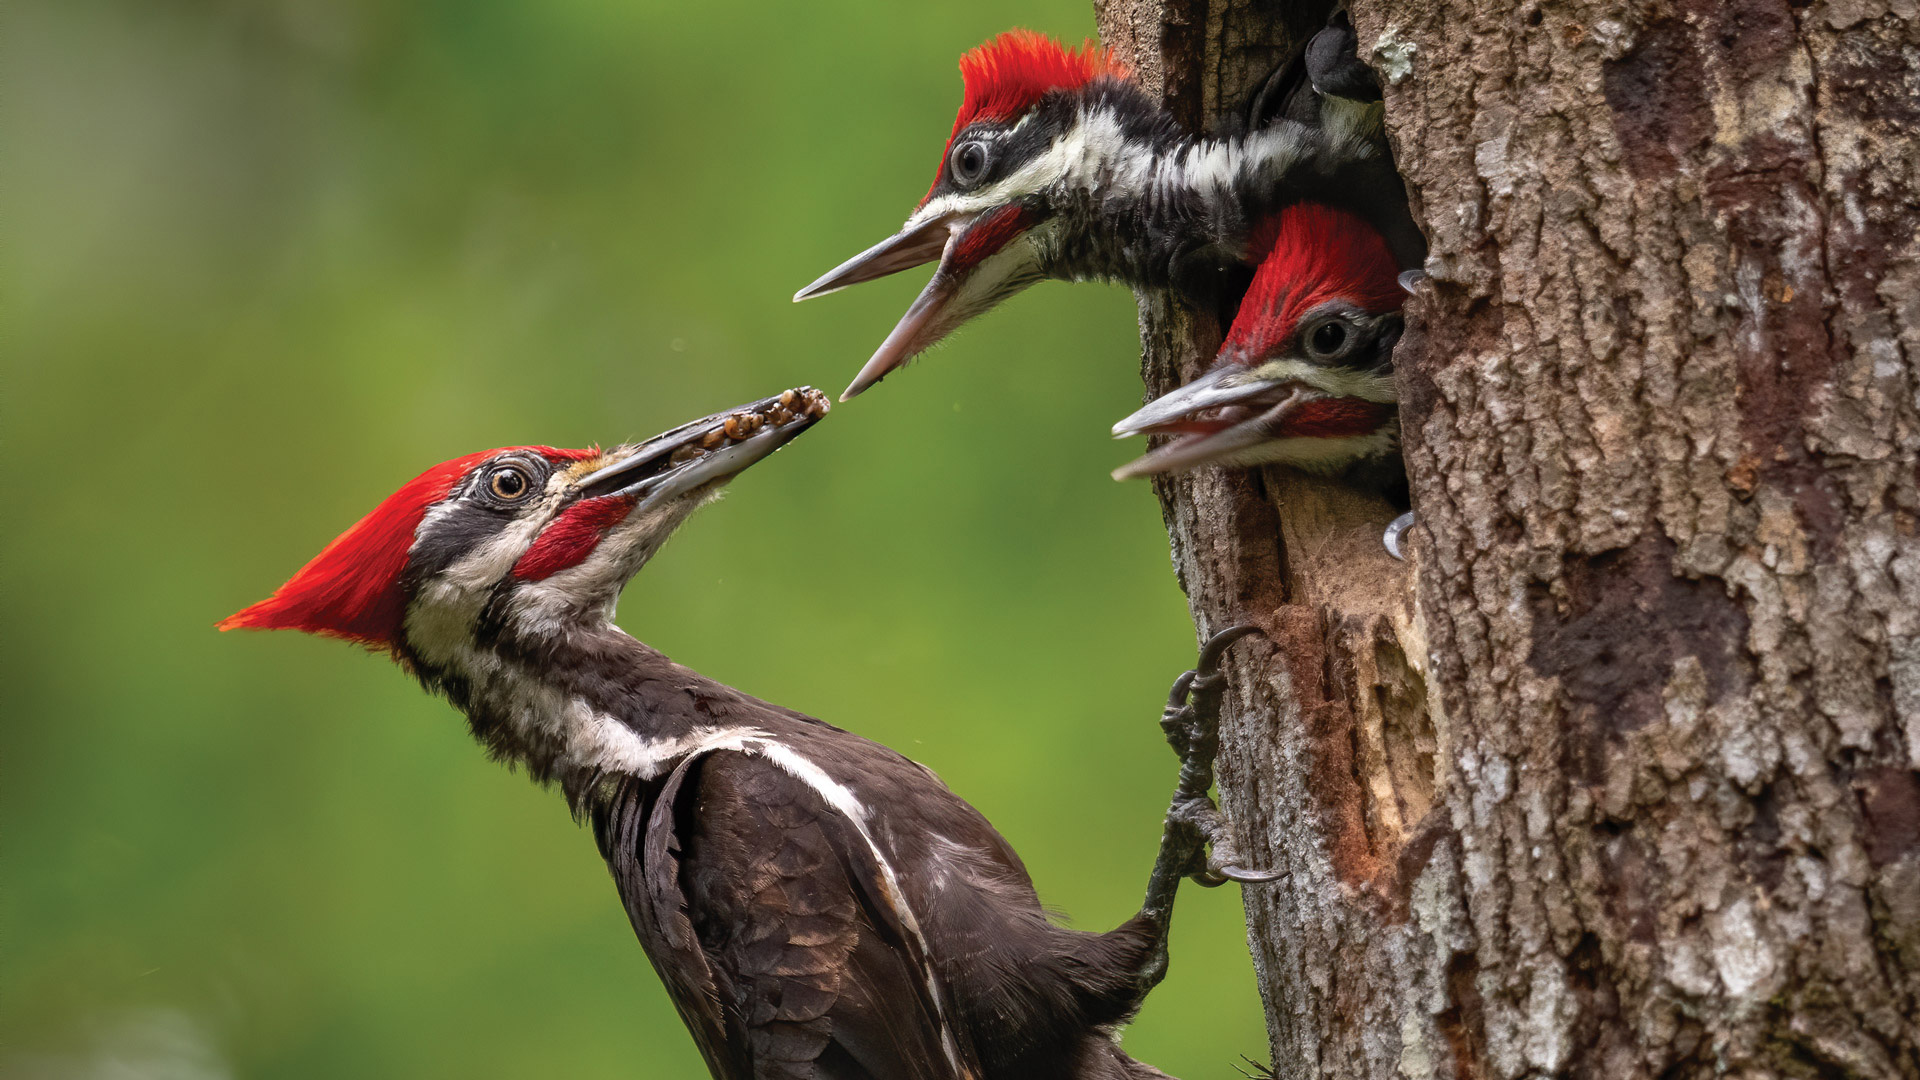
{"type": "Point", "coordinates": [576, 701]}
{"type": "Point", "coordinates": [1137, 200]}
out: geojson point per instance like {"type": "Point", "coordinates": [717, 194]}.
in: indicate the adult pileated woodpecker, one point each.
{"type": "Point", "coordinates": [1305, 375]}
{"type": "Point", "coordinates": [1059, 166]}
{"type": "Point", "coordinates": [817, 905]}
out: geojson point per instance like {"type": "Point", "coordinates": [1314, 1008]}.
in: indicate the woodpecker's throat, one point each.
{"type": "Point", "coordinates": [573, 702]}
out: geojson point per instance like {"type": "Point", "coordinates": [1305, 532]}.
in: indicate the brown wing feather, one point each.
{"type": "Point", "coordinates": [644, 856]}
{"type": "Point", "coordinates": [788, 904]}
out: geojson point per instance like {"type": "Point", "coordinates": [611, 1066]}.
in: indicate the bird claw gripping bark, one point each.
{"type": "Point", "coordinates": [1198, 842]}
{"type": "Point", "coordinates": [1194, 825]}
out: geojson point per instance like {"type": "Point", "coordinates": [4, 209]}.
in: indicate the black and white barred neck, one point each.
{"type": "Point", "coordinates": [576, 702]}
{"type": "Point", "coordinates": [1123, 194]}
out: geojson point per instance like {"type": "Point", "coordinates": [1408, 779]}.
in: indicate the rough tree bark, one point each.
{"type": "Point", "coordinates": [1620, 777]}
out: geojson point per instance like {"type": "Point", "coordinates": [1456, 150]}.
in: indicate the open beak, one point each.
{"type": "Point", "coordinates": [923, 324]}
{"type": "Point", "coordinates": [914, 245]}
{"type": "Point", "coordinates": [707, 452]}
{"type": "Point", "coordinates": [909, 336]}
{"type": "Point", "coordinates": [911, 246]}
{"type": "Point", "coordinates": [1225, 411]}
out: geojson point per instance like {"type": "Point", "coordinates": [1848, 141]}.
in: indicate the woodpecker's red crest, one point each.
{"type": "Point", "coordinates": [351, 590]}
{"type": "Point", "coordinates": [510, 524]}
{"type": "Point", "coordinates": [1305, 375]}
{"type": "Point", "coordinates": [1308, 256]}
{"type": "Point", "coordinates": [1011, 73]}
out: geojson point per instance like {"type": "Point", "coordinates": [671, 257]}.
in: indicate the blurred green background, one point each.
{"type": "Point", "coordinates": [266, 259]}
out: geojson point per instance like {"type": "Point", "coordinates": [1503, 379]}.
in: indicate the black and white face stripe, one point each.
{"type": "Point", "coordinates": [548, 538]}
{"type": "Point", "coordinates": [467, 544]}
{"type": "Point", "coordinates": [1129, 190]}
{"type": "Point", "coordinates": [1070, 143]}
{"type": "Point", "coordinates": [477, 517]}
{"type": "Point", "coordinates": [1039, 149]}
{"type": "Point", "coordinates": [986, 153]}
{"type": "Point", "coordinates": [1343, 349]}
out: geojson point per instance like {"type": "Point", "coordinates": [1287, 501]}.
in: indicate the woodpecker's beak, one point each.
{"type": "Point", "coordinates": [707, 452]}
{"type": "Point", "coordinates": [909, 336]}
{"type": "Point", "coordinates": [1315, 417]}
{"type": "Point", "coordinates": [1229, 409]}
{"type": "Point", "coordinates": [973, 275]}
{"type": "Point", "coordinates": [914, 245]}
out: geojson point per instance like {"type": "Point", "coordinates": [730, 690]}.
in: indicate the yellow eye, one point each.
{"type": "Point", "coordinates": [510, 482]}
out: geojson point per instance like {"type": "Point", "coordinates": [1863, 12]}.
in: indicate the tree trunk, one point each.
{"type": "Point", "coordinates": [1620, 775]}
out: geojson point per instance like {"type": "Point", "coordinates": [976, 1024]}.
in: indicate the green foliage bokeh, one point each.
{"type": "Point", "coordinates": [266, 259]}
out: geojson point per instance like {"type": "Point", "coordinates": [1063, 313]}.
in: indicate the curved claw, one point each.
{"type": "Point", "coordinates": [1396, 535]}
{"type": "Point", "coordinates": [1247, 877]}
{"type": "Point", "coordinates": [1177, 696]}
{"type": "Point", "coordinates": [1217, 645]}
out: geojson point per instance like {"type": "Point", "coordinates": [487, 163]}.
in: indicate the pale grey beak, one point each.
{"type": "Point", "coordinates": [911, 247]}
{"type": "Point", "coordinates": [905, 338]}
{"type": "Point", "coordinates": [1221, 386]}
{"type": "Point", "coordinates": [904, 250]}
{"type": "Point", "coordinates": [1262, 408]}
{"type": "Point", "coordinates": [712, 449]}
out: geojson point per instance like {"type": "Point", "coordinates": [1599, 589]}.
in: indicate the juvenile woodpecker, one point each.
{"type": "Point", "coordinates": [1305, 376]}
{"type": "Point", "coordinates": [816, 904]}
{"type": "Point", "coordinates": [1060, 166]}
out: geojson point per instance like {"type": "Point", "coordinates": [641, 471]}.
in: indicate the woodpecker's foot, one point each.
{"type": "Point", "coordinates": [1333, 62]}
{"type": "Point", "coordinates": [1197, 842]}
{"type": "Point", "coordinates": [1256, 1070]}
{"type": "Point", "coordinates": [1396, 535]}
{"type": "Point", "coordinates": [1328, 66]}
{"type": "Point", "coordinates": [1212, 858]}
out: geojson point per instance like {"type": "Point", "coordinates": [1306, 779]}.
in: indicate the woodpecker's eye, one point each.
{"type": "Point", "coordinates": [509, 483]}
{"type": "Point", "coordinates": [969, 162]}
{"type": "Point", "coordinates": [1328, 338]}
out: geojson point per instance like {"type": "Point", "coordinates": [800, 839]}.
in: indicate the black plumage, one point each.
{"type": "Point", "coordinates": [771, 917]}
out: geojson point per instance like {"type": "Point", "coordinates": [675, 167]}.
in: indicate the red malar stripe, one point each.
{"type": "Point", "coordinates": [572, 536]}
{"type": "Point", "coordinates": [1334, 418]}
{"type": "Point", "coordinates": [991, 233]}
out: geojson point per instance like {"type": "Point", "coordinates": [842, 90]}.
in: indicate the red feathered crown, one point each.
{"type": "Point", "coordinates": [352, 588]}
{"type": "Point", "coordinates": [1008, 75]}
{"type": "Point", "coordinates": [1309, 254]}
